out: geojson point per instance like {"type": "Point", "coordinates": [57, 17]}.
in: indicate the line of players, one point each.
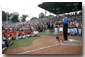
{"type": "Point", "coordinates": [73, 29]}
{"type": "Point", "coordinates": [9, 34]}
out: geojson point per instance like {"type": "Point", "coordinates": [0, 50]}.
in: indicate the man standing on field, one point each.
{"type": "Point", "coordinates": [65, 22]}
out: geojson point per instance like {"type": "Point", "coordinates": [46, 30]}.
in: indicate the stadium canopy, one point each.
{"type": "Point", "coordinates": [61, 7]}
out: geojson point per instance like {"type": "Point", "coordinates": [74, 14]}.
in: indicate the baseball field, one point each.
{"type": "Point", "coordinates": [45, 44]}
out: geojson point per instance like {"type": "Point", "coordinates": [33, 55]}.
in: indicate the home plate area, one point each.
{"type": "Point", "coordinates": [49, 45]}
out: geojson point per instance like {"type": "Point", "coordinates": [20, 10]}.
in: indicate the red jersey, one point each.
{"type": "Point", "coordinates": [22, 33]}
{"type": "Point", "coordinates": [15, 32]}
{"type": "Point", "coordinates": [25, 32]}
{"type": "Point", "coordinates": [28, 32]}
{"type": "Point", "coordinates": [7, 35]}
{"type": "Point", "coordinates": [34, 27]}
{"type": "Point", "coordinates": [3, 31]}
{"type": "Point", "coordinates": [10, 31]}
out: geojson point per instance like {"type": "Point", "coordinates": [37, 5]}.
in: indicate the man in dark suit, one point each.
{"type": "Point", "coordinates": [50, 26]}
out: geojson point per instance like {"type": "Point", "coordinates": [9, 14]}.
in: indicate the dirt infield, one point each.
{"type": "Point", "coordinates": [49, 45]}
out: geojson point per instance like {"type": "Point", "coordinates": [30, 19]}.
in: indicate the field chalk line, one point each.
{"type": "Point", "coordinates": [48, 47]}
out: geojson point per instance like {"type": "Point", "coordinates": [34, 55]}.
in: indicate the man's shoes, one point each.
{"type": "Point", "coordinates": [57, 38]}
{"type": "Point", "coordinates": [65, 40]}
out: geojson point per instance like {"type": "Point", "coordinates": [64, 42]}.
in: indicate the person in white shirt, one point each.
{"type": "Point", "coordinates": [35, 33]}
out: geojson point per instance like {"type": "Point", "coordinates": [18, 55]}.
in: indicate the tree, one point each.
{"type": "Point", "coordinates": [15, 16]}
{"type": "Point", "coordinates": [5, 15]}
{"type": "Point", "coordinates": [33, 18]}
{"type": "Point", "coordinates": [41, 15]}
{"type": "Point", "coordinates": [49, 16]}
{"type": "Point", "coordinates": [23, 17]}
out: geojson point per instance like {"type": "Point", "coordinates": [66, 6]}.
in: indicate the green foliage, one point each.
{"type": "Point", "coordinates": [5, 15]}
{"type": "Point", "coordinates": [49, 16]}
{"type": "Point", "coordinates": [15, 18]}
{"type": "Point", "coordinates": [23, 17]}
{"type": "Point", "coordinates": [41, 15]}
{"type": "Point", "coordinates": [33, 18]}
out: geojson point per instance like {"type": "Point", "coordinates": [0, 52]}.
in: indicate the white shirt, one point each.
{"type": "Point", "coordinates": [35, 32]}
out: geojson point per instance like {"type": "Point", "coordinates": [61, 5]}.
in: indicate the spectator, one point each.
{"type": "Point", "coordinates": [35, 33]}
{"type": "Point", "coordinates": [50, 26]}
{"type": "Point", "coordinates": [28, 33]}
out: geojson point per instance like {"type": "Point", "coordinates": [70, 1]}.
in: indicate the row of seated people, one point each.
{"type": "Point", "coordinates": [9, 34]}
{"type": "Point", "coordinates": [75, 28]}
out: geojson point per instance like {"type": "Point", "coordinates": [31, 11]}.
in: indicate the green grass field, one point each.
{"type": "Point", "coordinates": [27, 41]}
{"type": "Point", "coordinates": [44, 33]}
{"type": "Point", "coordinates": [22, 42]}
